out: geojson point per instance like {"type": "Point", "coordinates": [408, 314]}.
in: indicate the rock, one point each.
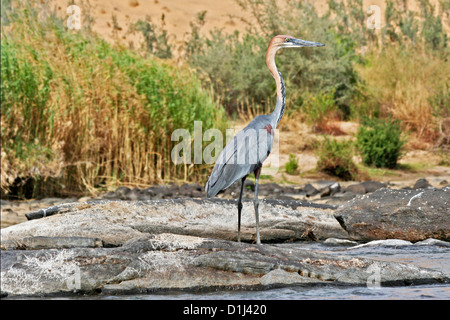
{"type": "Point", "coordinates": [325, 192]}
{"type": "Point", "coordinates": [411, 215]}
{"type": "Point", "coordinates": [157, 192]}
{"type": "Point", "coordinates": [280, 276]}
{"type": "Point", "coordinates": [330, 190]}
{"type": "Point", "coordinates": [163, 192]}
{"type": "Point", "coordinates": [283, 197]}
{"type": "Point", "coordinates": [271, 187]}
{"type": "Point", "coordinates": [383, 243]}
{"type": "Point", "coordinates": [422, 183]}
{"type": "Point", "coordinates": [111, 195]}
{"type": "Point", "coordinates": [433, 242]}
{"type": "Point", "coordinates": [115, 222]}
{"type": "Point", "coordinates": [372, 186]}
{"type": "Point", "coordinates": [85, 199]}
{"type": "Point", "coordinates": [160, 262]}
{"type": "Point", "coordinates": [321, 184]}
{"type": "Point", "coordinates": [186, 190]}
{"type": "Point", "coordinates": [339, 242]}
{"type": "Point", "coordinates": [356, 188]}
{"type": "Point", "coordinates": [122, 193]}
{"type": "Point", "coordinates": [310, 190]}
{"type": "Point", "coordinates": [365, 187]}
{"type": "Point", "coordinates": [134, 194]}
{"type": "Point", "coordinates": [145, 194]}
{"type": "Point", "coordinates": [341, 197]}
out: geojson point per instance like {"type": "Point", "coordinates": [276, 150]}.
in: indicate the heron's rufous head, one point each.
{"type": "Point", "coordinates": [284, 41]}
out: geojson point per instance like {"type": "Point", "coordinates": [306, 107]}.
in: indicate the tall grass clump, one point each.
{"type": "Point", "coordinates": [156, 41]}
{"type": "Point", "coordinates": [91, 114]}
{"type": "Point", "coordinates": [319, 110]}
{"type": "Point", "coordinates": [380, 142]}
{"type": "Point", "coordinates": [407, 73]}
{"type": "Point", "coordinates": [405, 86]}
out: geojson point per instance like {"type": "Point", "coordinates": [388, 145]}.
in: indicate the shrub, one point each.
{"type": "Point", "coordinates": [292, 165]}
{"type": "Point", "coordinates": [380, 142]}
{"type": "Point", "coordinates": [156, 41]}
{"type": "Point", "coordinates": [335, 158]}
{"type": "Point", "coordinates": [319, 109]}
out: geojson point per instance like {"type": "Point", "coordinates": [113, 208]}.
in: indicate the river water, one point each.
{"type": "Point", "coordinates": [432, 257]}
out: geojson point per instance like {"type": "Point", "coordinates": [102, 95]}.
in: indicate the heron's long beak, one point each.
{"type": "Point", "coordinates": [304, 43]}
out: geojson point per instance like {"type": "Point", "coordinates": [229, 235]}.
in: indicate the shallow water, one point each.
{"type": "Point", "coordinates": [432, 257]}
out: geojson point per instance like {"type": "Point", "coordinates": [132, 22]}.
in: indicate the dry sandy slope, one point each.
{"type": "Point", "coordinates": [178, 14]}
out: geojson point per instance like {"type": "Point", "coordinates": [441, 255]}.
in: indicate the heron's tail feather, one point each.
{"type": "Point", "coordinates": [211, 188]}
{"type": "Point", "coordinates": [207, 189]}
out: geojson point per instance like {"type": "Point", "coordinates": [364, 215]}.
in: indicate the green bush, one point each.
{"type": "Point", "coordinates": [335, 158]}
{"type": "Point", "coordinates": [380, 142]}
{"type": "Point", "coordinates": [292, 165]}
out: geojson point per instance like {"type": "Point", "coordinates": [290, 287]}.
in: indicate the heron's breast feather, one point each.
{"type": "Point", "coordinates": [269, 129]}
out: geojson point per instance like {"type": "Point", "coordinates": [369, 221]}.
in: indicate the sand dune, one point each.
{"type": "Point", "coordinates": [174, 15]}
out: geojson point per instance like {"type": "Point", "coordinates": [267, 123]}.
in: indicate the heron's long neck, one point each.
{"type": "Point", "coordinates": [277, 114]}
{"type": "Point", "coordinates": [281, 100]}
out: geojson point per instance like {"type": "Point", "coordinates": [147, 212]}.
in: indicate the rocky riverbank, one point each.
{"type": "Point", "coordinates": [321, 192]}
{"type": "Point", "coordinates": [141, 246]}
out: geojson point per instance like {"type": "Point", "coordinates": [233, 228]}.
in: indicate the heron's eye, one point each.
{"type": "Point", "coordinates": [287, 40]}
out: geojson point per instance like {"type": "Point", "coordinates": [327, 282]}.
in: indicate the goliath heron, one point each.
{"type": "Point", "coordinates": [246, 152]}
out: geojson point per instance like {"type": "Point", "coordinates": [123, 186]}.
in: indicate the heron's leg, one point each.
{"type": "Point", "coordinates": [256, 203]}
{"type": "Point", "coordinates": [240, 209]}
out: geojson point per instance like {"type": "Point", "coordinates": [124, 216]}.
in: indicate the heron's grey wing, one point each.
{"type": "Point", "coordinates": [225, 171]}
{"type": "Point", "coordinates": [240, 157]}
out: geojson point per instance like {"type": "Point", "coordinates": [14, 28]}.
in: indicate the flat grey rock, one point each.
{"type": "Point", "coordinates": [412, 215]}
{"type": "Point", "coordinates": [115, 222]}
